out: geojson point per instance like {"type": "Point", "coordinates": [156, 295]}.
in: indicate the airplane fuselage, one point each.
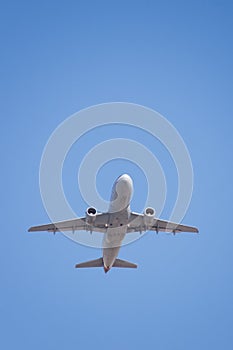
{"type": "Point", "coordinates": [119, 210]}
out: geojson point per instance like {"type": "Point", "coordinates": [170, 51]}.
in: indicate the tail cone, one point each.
{"type": "Point", "coordinates": [106, 268]}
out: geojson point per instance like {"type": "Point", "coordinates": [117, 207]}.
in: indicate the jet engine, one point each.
{"type": "Point", "coordinates": [90, 215]}
{"type": "Point", "coordinates": [149, 215]}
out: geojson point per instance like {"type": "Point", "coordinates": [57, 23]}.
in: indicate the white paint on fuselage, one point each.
{"type": "Point", "coordinates": [119, 210]}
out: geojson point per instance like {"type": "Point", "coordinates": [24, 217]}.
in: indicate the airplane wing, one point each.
{"type": "Point", "coordinates": [99, 225]}
{"type": "Point", "coordinates": [137, 224]}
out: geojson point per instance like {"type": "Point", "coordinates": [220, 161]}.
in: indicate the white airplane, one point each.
{"type": "Point", "coordinates": [115, 224]}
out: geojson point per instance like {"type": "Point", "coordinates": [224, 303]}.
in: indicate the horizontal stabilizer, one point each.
{"type": "Point", "coordinates": [91, 263]}
{"type": "Point", "coordinates": [124, 263]}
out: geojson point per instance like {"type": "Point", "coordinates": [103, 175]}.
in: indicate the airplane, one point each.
{"type": "Point", "coordinates": [115, 224]}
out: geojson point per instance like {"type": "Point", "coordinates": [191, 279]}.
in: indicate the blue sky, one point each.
{"type": "Point", "coordinates": [60, 57]}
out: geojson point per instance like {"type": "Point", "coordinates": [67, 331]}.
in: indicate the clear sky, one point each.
{"type": "Point", "coordinates": [58, 57]}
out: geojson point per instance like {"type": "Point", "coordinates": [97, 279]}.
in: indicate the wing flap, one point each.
{"type": "Point", "coordinates": [69, 225]}
{"type": "Point", "coordinates": [99, 225]}
{"type": "Point", "coordinates": [167, 226]}
{"type": "Point", "coordinates": [137, 224]}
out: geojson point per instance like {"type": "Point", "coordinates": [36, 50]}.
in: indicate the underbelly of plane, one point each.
{"type": "Point", "coordinates": [114, 236]}
{"type": "Point", "coordinates": [111, 244]}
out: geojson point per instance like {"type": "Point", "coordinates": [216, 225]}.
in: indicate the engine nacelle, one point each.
{"type": "Point", "coordinates": [90, 215]}
{"type": "Point", "coordinates": [149, 215]}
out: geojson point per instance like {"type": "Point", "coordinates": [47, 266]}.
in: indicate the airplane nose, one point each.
{"type": "Point", "coordinates": [125, 183]}
{"type": "Point", "coordinates": [125, 178]}
{"type": "Point", "coordinates": [121, 193]}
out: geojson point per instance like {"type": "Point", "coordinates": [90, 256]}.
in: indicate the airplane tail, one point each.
{"type": "Point", "coordinates": [124, 263]}
{"type": "Point", "coordinates": [91, 263]}
{"type": "Point", "coordinates": [99, 263]}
